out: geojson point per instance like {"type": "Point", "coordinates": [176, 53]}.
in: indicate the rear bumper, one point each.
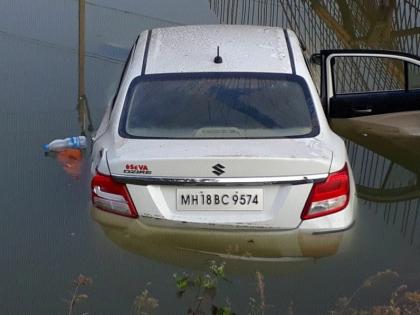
{"type": "Point", "coordinates": [300, 243]}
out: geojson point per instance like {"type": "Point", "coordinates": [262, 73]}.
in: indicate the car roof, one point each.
{"type": "Point", "coordinates": [193, 49]}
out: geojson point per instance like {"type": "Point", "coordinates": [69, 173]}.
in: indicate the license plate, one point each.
{"type": "Point", "coordinates": [220, 199]}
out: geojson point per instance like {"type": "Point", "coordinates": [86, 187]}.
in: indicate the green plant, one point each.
{"type": "Point", "coordinates": [204, 288]}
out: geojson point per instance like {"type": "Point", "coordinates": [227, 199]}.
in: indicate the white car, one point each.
{"type": "Point", "coordinates": [222, 128]}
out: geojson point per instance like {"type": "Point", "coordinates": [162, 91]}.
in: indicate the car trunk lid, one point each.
{"type": "Point", "coordinates": [219, 158]}
{"type": "Point", "coordinates": [162, 174]}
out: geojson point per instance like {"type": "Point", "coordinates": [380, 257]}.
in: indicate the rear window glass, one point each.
{"type": "Point", "coordinates": [218, 105]}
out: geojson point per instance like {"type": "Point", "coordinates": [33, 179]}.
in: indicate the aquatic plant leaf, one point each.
{"type": "Point", "coordinates": [217, 270]}
{"type": "Point", "coordinates": [215, 310]}
{"type": "Point", "coordinates": [182, 283]}
{"type": "Point", "coordinates": [208, 283]}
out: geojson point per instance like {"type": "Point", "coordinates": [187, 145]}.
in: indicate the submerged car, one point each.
{"type": "Point", "coordinates": [222, 128]}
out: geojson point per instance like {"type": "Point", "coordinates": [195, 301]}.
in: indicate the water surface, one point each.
{"type": "Point", "coordinates": [47, 235]}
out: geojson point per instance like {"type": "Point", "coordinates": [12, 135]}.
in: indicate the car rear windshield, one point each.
{"type": "Point", "coordinates": [218, 105]}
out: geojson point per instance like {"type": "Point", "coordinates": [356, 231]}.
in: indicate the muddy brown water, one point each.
{"type": "Point", "coordinates": [47, 234]}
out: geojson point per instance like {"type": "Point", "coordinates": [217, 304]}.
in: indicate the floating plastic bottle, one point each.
{"type": "Point", "coordinates": [78, 142]}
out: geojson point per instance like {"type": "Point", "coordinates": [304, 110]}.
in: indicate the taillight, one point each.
{"type": "Point", "coordinates": [329, 196]}
{"type": "Point", "coordinates": [111, 196]}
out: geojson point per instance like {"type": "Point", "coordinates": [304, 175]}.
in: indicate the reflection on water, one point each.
{"type": "Point", "coordinates": [47, 233]}
{"type": "Point", "coordinates": [240, 259]}
{"type": "Point", "coordinates": [70, 160]}
{"type": "Point", "coordinates": [385, 159]}
{"type": "Point", "coordinates": [244, 250]}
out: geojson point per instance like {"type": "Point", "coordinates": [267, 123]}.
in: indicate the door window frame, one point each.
{"type": "Point", "coordinates": [327, 75]}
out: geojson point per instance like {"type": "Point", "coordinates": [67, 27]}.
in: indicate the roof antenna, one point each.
{"type": "Point", "coordinates": [218, 59]}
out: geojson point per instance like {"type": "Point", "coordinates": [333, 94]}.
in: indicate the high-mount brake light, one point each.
{"type": "Point", "coordinates": [111, 196]}
{"type": "Point", "coordinates": [329, 196]}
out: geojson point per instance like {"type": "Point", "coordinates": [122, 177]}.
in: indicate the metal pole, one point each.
{"type": "Point", "coordinates": [82, 104]}
{"type": "Point", "coordinates": [82, 14]}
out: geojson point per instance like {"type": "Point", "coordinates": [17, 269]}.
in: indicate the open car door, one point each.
{"type": "Point", "coordinates": [368, 82]}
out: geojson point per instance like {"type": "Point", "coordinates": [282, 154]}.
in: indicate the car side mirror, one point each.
{"type": "Point", "coordinates": [315, 59]}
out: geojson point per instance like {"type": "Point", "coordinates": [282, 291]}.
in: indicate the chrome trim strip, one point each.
{"type": "Point", "coordinates": [211, 181]}
{"type": "Point", "coordinates": [332, 231]}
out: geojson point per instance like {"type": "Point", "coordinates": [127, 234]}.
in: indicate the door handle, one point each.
{"type": "Point", "coordinates": [362, 111]}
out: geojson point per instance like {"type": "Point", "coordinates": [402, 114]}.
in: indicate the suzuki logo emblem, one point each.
{"type": "Point", "coordinates": [218, 169]}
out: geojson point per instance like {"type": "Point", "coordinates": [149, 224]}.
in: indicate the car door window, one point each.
{"type": "Point", "coordinates": [413, 76]}
{"type": "Point", "coordinates": [360, 82]}
{"type": "Point", "coordinates": [361, 74]}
